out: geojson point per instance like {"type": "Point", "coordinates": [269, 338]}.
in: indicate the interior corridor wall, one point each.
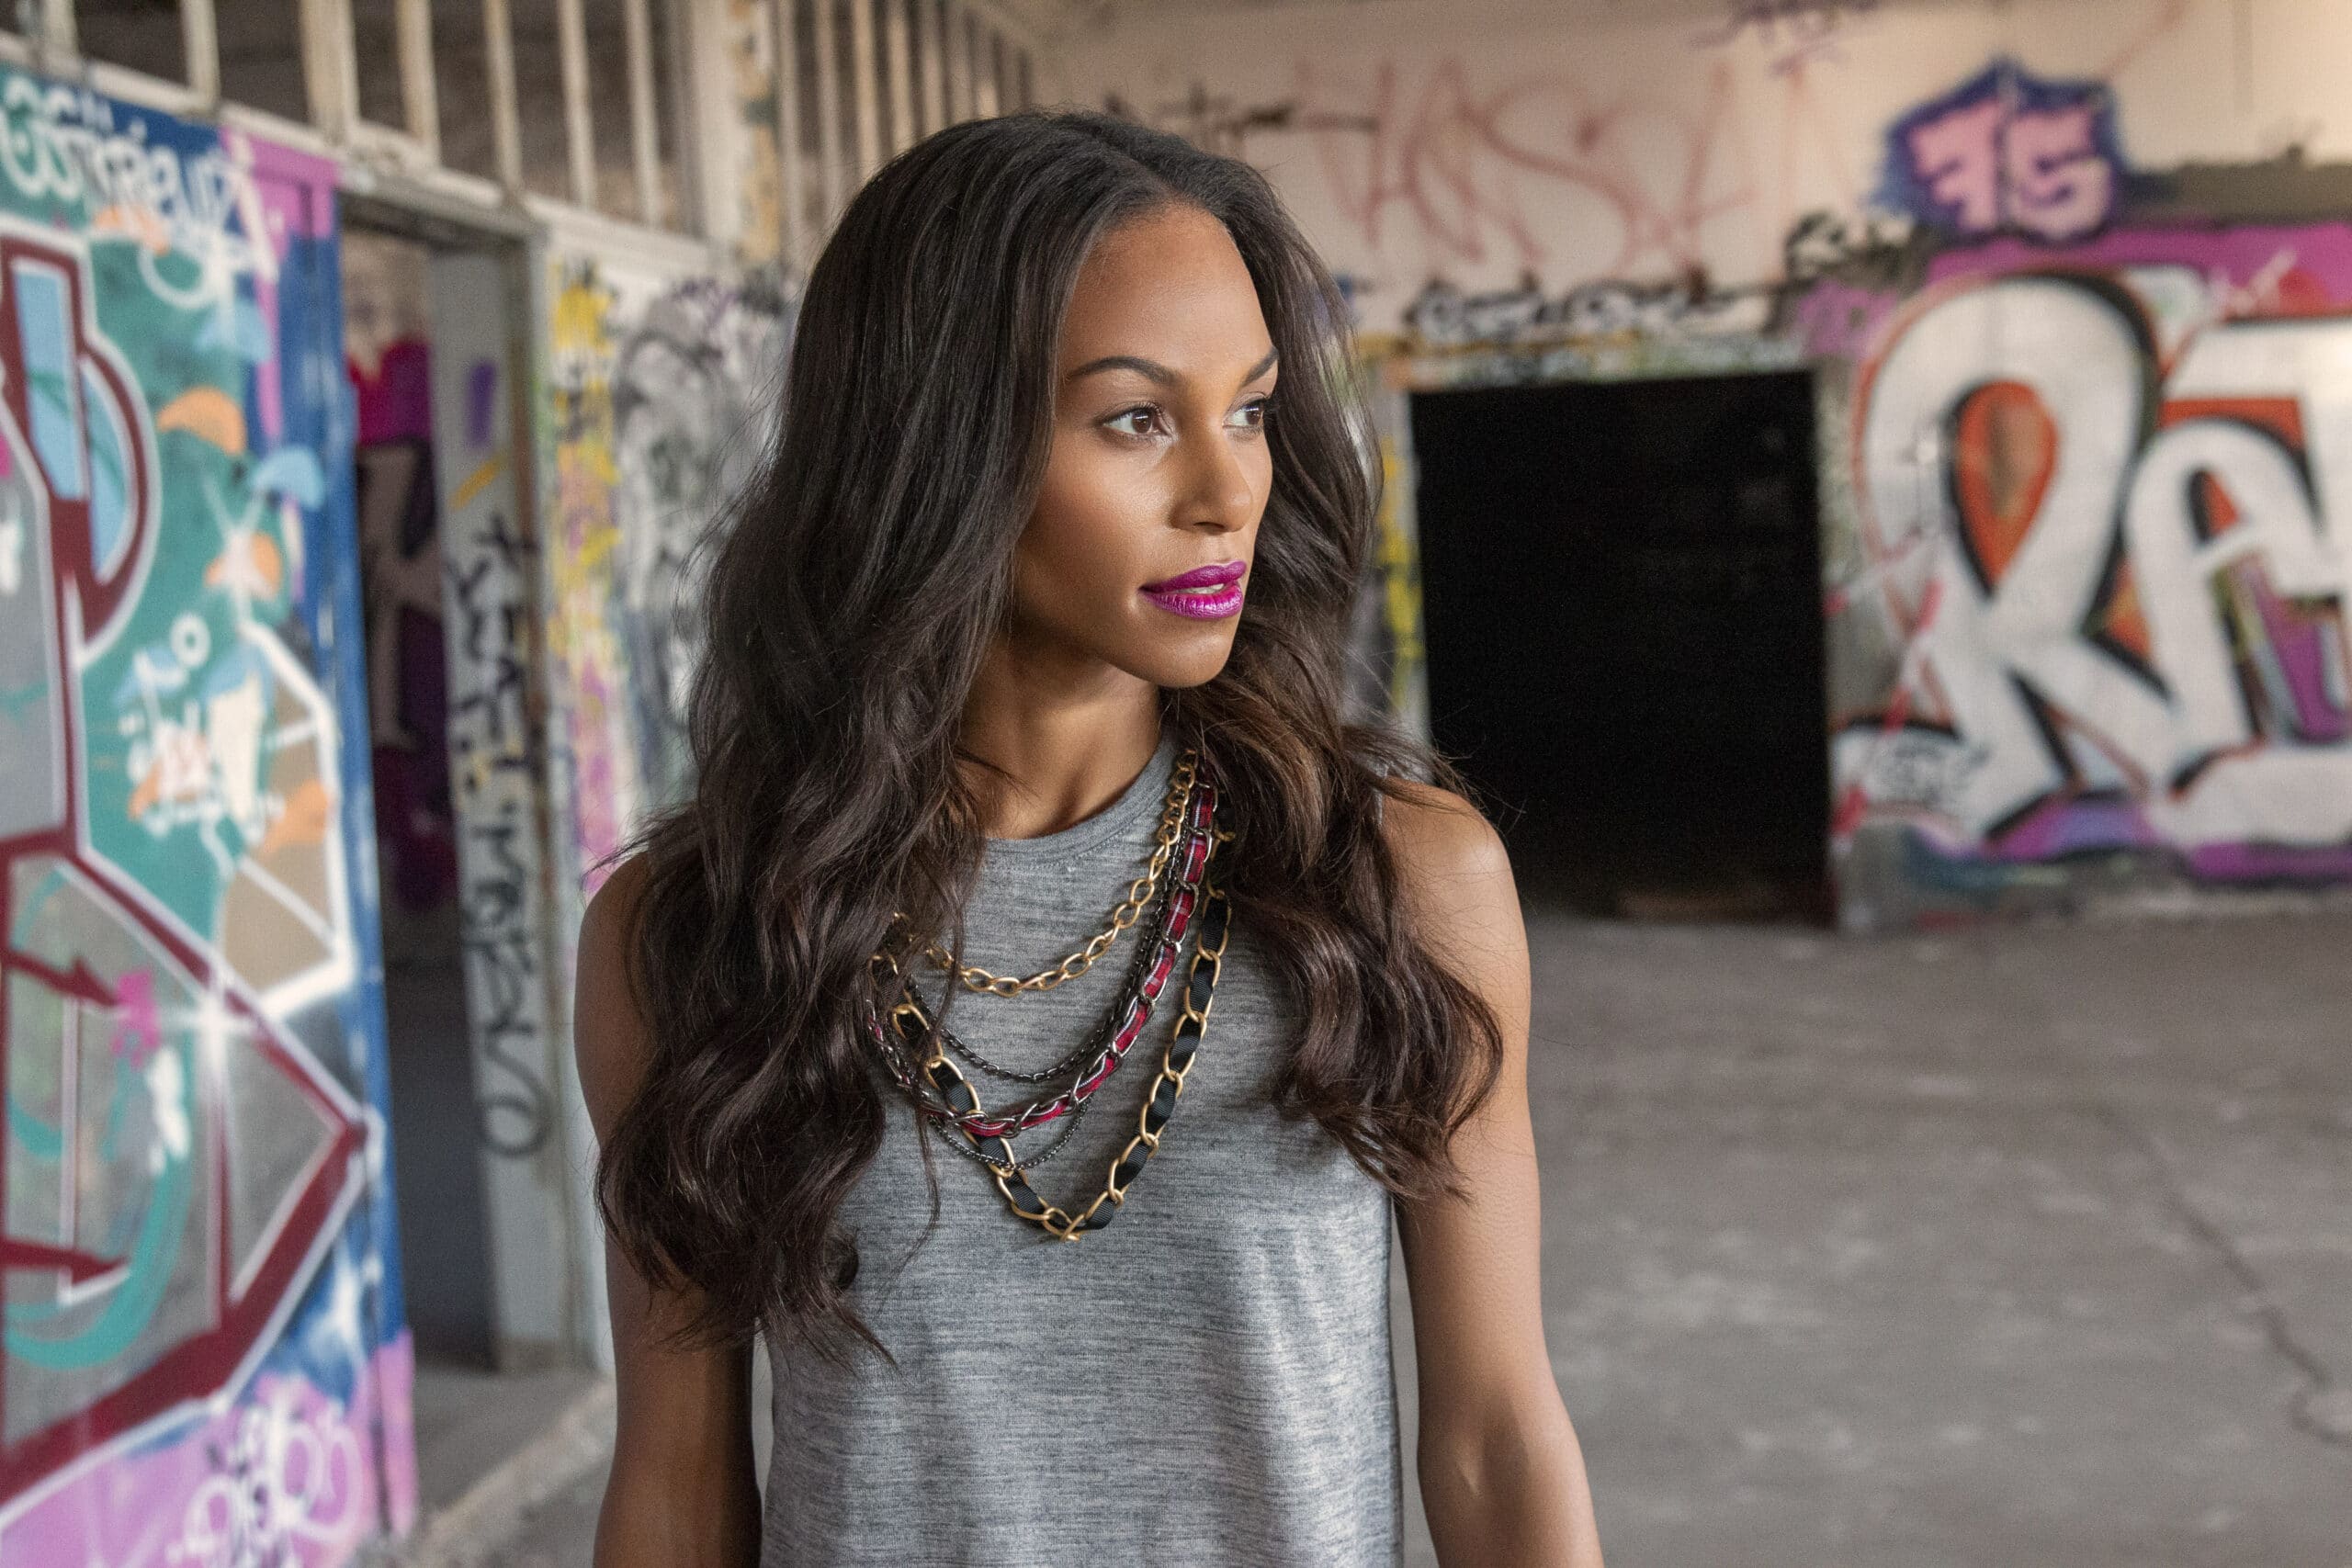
{"type": "Point", "coordinates": [658, 399]}
{"type": "Point", "coordinates": [2074, 276]}
{"type": "Point", "coordinates": [205, 1358]}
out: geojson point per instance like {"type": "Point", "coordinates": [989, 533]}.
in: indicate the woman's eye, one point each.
{"type": "Point", "coordinates": [1252, 414]}
{"type": "Point", "coordinates": [1146, 414]}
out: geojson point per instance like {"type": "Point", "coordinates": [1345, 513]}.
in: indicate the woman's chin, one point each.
{"type": "Point", "coordinates": [1176, 668]}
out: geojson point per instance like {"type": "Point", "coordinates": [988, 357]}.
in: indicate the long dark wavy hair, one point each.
{"type": "Point", "coordinates": [851, 596]}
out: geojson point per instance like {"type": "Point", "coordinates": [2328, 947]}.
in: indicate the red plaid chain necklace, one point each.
{"type": "Point", "coordinates": [915, 1046]}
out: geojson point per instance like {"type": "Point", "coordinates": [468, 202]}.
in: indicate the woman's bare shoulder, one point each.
{"type": "Point", "coordinates": [610, 1041]}
{"type": "Point", "coordinates": [1436, 834]}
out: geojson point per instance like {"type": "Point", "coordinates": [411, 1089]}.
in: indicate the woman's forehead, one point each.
{"type": "Point", "coordinates": [1163, 284]}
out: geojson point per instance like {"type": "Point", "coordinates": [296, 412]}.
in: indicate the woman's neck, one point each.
{"type": "Point", "coordinates": [1068, 748]}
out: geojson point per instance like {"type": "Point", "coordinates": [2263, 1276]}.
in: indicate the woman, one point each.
{"type": "Point", "coordinates": [1043, 594]}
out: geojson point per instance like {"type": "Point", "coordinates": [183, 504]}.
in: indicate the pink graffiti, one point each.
{"type": "Point", "coordinates": [139, 1027]}
{"type": "Point", "coordinates": [1467, 166]}
{"type": "Point", "coordinates": [288, 1477]}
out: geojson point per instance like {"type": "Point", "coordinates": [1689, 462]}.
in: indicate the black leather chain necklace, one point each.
{"type": "Point", "coordinates": [916, 1048]}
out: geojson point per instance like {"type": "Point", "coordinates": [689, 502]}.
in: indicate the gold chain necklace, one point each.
{"type": "Point", "coordinates": [1160, 1104]}
{"type": "Point", "coordinates": [1131, 907]}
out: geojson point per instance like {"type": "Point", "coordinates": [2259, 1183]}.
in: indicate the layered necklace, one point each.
{"type": "Point", "coordinates": [921, 1051]}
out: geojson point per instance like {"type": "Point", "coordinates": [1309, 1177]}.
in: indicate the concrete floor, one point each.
{"type": "Point", "coordinates": [2025, 1246]}
{"type": "Point", "coordinates": [2028, 1246]}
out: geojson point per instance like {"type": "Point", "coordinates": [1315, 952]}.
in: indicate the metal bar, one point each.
{"type": "Point", "coordinates": [201, 37]}
{"type": "Point", "coordinates": [57, 31]}
{"type": "Point", "coordinates": [795, 213]}
{"type": "Point", "coordinates": [828, 109]}
{"type": "Point", "coordinates": [505, 113]}
{"type": "Point", "coordinates": [934, 71]}
{"type": "Point", "coordinates": [420, 93]}
{"type": "Point", "coordinates": [678, 20]}
{"type": "Point", "coordinates": [985, 66]}
{"type": "Point", "coordinates": [578, 121]}
{"type": "Point", "coordinates": [959, 61]}
{"type": "Point", "coordinates": [644, 133]}
{"type": "Point", "coordinates": [898, 50]}
{"type": "Point", "coordinates": [329, 78]}
{"type": "Point", "coordinates": [714, 116]}
{"type": "Point", "coordinates": [385, 146]}
{"type": "Point", "coordinates": [868, 90]}
{"type": "Point", "coordinates": [343, 55]}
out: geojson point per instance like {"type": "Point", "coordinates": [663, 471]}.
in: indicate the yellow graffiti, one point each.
{"type": "Point", "coordinates": [253, 564]}
{"type": "Point", "coordinates": [593, 549]}
{"type": "Point", "coordinates": [594, 713]}
{"type": "Point", "coordinates": [581, 307]}
{"type": "Point", "coordinates": [480, 479]}
{"type": "Point", "coordinates": [1400, 583]}
{"type": "Point", "coordinates": [143, 224]}
{"type": "Point", "coordinates": [208, 413]}
{"type": "Point", "coordinates": [309, 813]}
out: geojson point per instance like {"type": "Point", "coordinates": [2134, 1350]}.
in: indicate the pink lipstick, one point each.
{"type": "Point", "coordinates": [1205, 593]}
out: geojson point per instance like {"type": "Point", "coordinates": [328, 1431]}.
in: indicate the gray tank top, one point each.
{"type": "Point", "coordinates": [1205, 1382]}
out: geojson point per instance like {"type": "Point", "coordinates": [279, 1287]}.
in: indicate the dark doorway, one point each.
{"type": "Point", "coordinates": [1623, 601]}
{"type": "Point", "coordinates": [445, 1264]}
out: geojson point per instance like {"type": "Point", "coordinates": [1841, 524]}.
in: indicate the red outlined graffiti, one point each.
{"type": "Point", "coordinates": [137, 1285]}
{"type": "Point", "coordinates": [2104, 508]}
{"type": "Point", "coordinates": [1468, 166]}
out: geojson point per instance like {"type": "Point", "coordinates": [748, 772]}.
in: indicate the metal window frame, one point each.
{"type": "Point", "coordinates": [377, 158]}
{"type": "Point", "coordinates": [891, 80]}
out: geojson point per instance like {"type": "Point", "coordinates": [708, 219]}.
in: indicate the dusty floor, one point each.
{"type": "Point", "coordinates": [2030, 1245]}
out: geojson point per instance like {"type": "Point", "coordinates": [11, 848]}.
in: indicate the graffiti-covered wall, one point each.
{"type": "Point", "coordinates": [2102, 528]}
{"type": "Point", "coordinates": [2075, 279]}
{"type": "Point", "coordinates": [204, 1358]}
{"type": "Point", "coordinates": [659, 396]}
{"type": "Point", "coordinates": [660, 392]}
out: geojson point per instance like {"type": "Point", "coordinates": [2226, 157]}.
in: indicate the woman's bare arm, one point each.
{"type": "Point", "coordinates": [682, 1490]}
{"type": "Point", "coordinates": [1502, 1477]}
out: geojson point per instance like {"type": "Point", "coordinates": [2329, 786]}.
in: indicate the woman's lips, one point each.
{"type": "Point", "coordinates": [1205, 593]}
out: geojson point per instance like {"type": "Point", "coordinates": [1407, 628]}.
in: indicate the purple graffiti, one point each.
{"type": "Point", "coordinates": [2009, 152]}
{"type": "Point", "coordinates": [482, 404]}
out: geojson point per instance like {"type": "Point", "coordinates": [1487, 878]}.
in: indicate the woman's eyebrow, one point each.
{"type": "Point", "coordinates": [1153, 370]}
{"type": "Point", "coordinates": [1147, 367]}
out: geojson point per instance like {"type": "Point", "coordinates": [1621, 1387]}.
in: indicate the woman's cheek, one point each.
{"type": "Point", "coordinates": [1106, 511]}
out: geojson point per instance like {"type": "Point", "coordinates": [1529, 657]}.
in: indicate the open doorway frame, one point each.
{"type": "Point", "coordinates": [543, 1306]}
{"type": "Point", "coordinates": [1404, 375]}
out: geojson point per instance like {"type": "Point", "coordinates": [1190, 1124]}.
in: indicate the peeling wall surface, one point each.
{"type": "Point", "coordinates": [2077, 280]}
{"type": "Point", "coordinates": [659, 398]}
{"type": "Point", "coordinates": [658, 401]}
{"type": "Point", "coordinates": [205, 1358]}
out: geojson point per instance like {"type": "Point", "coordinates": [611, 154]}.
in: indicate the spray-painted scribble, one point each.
{"type": "Point", "coordinates": [1793, 33]}
{"type": "Point", "coordinates": [1443, 315]}
{"type": "Point", "coordinates": [597, 751]}
{"type": "Point", "coordinates": [690, 385]}
{"type": "Point", "coordinates": [658, 395]}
